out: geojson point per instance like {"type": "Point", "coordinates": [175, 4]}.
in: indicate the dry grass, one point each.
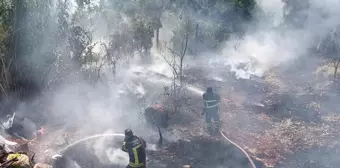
{"type": "Point", "coordinates": [278, 139]}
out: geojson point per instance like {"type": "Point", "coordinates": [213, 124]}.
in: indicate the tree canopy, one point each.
{"type": "Point", "coordinates": [40, 38]}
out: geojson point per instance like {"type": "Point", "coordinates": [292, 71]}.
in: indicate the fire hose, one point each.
{"type": "Point", "coordinates": [245, 153]}
{"type": "Point", "coordinates": [113, 135]}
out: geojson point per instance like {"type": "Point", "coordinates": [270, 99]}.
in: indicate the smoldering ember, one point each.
{"type": "Point", "coordinates": [165, 83]}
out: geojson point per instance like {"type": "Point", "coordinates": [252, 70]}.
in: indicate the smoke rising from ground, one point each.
{"type": "Point", "coordinates": [115, 103]}
{"type": "Point", "coordinates": [270, 42]}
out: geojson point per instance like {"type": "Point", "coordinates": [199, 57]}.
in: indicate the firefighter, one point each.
{"type": "Point", "coordinates": [211, 109]}
{"type": "Point", "coordinates": [135, 147]}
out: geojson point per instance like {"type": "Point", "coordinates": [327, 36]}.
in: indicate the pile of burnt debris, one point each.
{"type": "Point", "coordinates": [16, 133]}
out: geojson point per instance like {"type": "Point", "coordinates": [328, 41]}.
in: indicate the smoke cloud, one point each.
{"type": "Point", "coordinates": [116, 103]}
{"type": "Point", "coordinates": [270, 42]}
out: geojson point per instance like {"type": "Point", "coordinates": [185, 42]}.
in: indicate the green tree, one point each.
{"type": "Point", "coordinates": [5, 29]}
{"type": "Point", "coordinates": [120, 47]}
{"type": "Point", "coordinates": [245, 7]}
{"type": "Point", "coordinates": [79, 40]}
{"type": "Point", "coordinates": [143, 34]}
{"type": "Point", "coordinates": [295, 12]}
{"type": "Point", "coordinates": [28, 24]}
{"type": "Point", "coordinates": [330, 49]}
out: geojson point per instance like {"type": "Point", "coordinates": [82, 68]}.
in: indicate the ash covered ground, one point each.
{"type": "Point", "coordinates": [289, 128]}
{"type": "Point", "coordinates": [281, 122]}
{"type": "Point", "coordinates": [199, 152]}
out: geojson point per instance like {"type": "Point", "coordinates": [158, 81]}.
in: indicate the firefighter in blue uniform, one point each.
{"type": "Point", "coordinates": [135, 147]}
{"type": "Point", "coordinates": [211, 109]}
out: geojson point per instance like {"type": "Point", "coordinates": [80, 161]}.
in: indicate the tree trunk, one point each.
{"type": "Point", "coordinates": [336, 66]}
{"type": "Point", "coordinates": [181, 70]}
{"type": "Point", "coordinates": [182, 58]}
{"type": "Point", "coordinates": [19, 11]}
{"type": "Point", "coordinates": [196, 39]}
{"type": "Point", "coordinates": [114, 68]}
{"type": "Point", "coordinates": [157, 38]}
{"type": "Point", "coordinates": [335, 71]}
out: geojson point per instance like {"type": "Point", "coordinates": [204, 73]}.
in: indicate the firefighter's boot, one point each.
{"type": "Point", "coordinates": [210, 129]}
{"type": "Point", "coordinates": [217, 128]}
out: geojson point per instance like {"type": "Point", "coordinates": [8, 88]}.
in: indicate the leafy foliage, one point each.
{"type": "Point", "coordinates": [330, 49]}
{"type": "Point", "coordinates": [245, 7]}
{"type": "Point", "coordinates": [294, 12]}
{"type": "Point", "coordinates": [44, 42]}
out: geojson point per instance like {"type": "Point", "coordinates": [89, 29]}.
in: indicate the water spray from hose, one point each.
{"type": "Point", "coordinates": [89, 138]}
{"type": "Point", "coordinates": [200, 91]}
{"type": "Point", "coordinates": [99, 136]}
{"type": "Point", "coordinates": [192, 88]}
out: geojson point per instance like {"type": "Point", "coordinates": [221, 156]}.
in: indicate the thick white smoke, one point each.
{"type": "Point", "coordinates": [270, 43]}
{"type": "Point", "coordinates": [266, 45]}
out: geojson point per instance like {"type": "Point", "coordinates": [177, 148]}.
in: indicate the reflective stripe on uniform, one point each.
{"type": "Point", "coordinates": [124, 143]}
{"type": "Point", "coordinates": [206, 103]}
{"type": "Point", "coordinates": [217, 124]}
{"type": "Point", "coordinates": [135, 154]}
{"type": "Point", "coordinates": [136, 165]}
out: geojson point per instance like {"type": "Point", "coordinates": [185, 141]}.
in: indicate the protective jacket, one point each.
{"type": "Point", "coordinates": [135, 146]}
{"type": "Point", "coordinates": [211, 109]}
{"type": "Point", "coordinates": [211, 101]}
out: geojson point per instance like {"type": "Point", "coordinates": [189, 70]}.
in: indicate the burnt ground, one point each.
{"type": "Point", "coordinates": [283, 139]}
{"type": "Point", "coordinates": [313, 157]}
{"type": "Point", "coordinates": [200, 153]}
{"type": "Point", "coordinates": [193, 147]}
{"type": "Point", "coordinates": [297, 126]}
{"type": "Point", "coordinates": [89, 155]}
{"type": "Point", "coordinates": [284, 143]}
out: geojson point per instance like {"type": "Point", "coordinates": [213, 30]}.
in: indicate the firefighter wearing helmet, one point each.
{"type": "Point", "coordinates": [135, 147]}
{"type": "Point", "coordinates": [210, 110]}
